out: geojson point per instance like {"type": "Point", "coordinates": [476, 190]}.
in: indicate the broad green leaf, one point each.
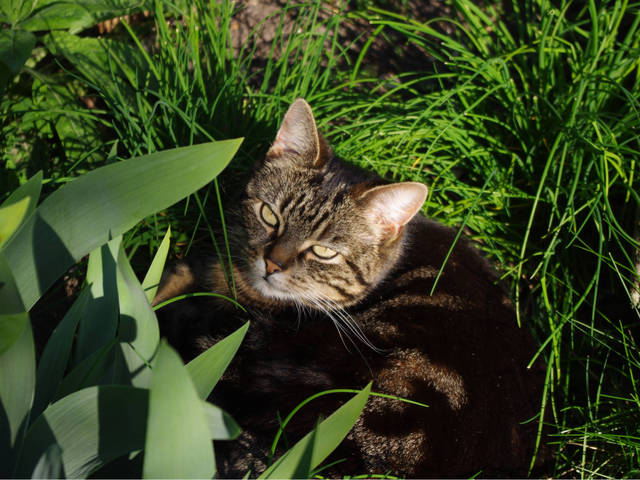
{"type": "Point", "coordinates": [98, 424]}
{"type": "Point", "coordinates": [50, 464]}
{"type": "Point", "coordinates": [130, 367]}
{"type": "Point", "coordinates": [16, 10]}
{"type": "Point", "coordinates": [55, 356]}
{"type": "Point", "coordinates": [138, 330]}
{"type": "Point", "coordinates": [11, 217]}
{"type": "Point", "coordinates": [13, 318]}
{"type": "Point", "coordinates": [152, 278]}
{"type": "Point", "coordinates": [28, 192]}
{"type": "Point", "coordinates": [207, 368]}
{"type": "Point", "coordinates": [84, 214]}
{"type": "Point", "coordinates": [10, 300]}
{"type": "Point", "coordinates": [115, 66]}
{"type": "Point", "coordinates": [59, 16]}
{"type": "Point", "coordinates": [221, 425]}
{"type": "Point", "coordinates": [11, 327]}
{"type": "Point", "coordinates": [15, 48]}
{"type": "Point", "coordinates": [126, 466]}
{"type": "Point", "coordinates": [76, 16]}
{"type": "Point", "coordinates": [92, 427]}
{"type": "Point", "coordinates": [31, 189]}
{"type": "Point", "coordinates": [17, 382]}
{"type": "Point", "coordinates": [178, 443]}
{"type": "Point", "coordinates": [304, 456]}
{"type": "Point", "coordinates": [103, 367]}
{"type": "Point", "coordinates": [99, 321]}
{"type": "Point", "coordinates": [37, 116]}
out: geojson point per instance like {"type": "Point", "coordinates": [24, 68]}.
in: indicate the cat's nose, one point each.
{"type": "Point", "coordinates": [280, 256]}
{"type": "Point", "coordinates": [271, 266]}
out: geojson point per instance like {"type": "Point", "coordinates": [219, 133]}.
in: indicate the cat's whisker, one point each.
{"type": "Point", "coordinates": [343, 326]}
{"type": "Point", "coordinates": [322, 308]}
{"type": "Point", "coordinates": [350, 323]}
{"type": "Point", "coordinates": [300, 311]}
{"type": "Point", "coordinates": [340, 330]}
{"type": "Point", "coordinates": [355, 329]}
{"type": "Point", "coordinates": [336, 317]}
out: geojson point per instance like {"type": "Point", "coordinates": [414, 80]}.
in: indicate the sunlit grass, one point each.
{"type": "Point", "coordinates": [524, 125]}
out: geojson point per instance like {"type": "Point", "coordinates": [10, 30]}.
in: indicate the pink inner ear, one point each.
{"type": "Point", "coordinates": [281, 143]}
{"type": "Point", "coordinates": [390, 207]}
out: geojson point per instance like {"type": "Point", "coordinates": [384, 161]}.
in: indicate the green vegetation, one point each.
{"type": "Point", "coordinates": [523, 119]}
{"type": "Point", "coordinates": [123, 391]}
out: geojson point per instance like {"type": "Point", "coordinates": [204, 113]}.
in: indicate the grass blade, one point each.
{"type": "Point", "coordinates": [304, 456]}
{"type": "Point", "coordinates": [11, 217]}
{"type": "Point", "coordinates": [138, 330]}
{"type": "Point", "coordinates": [17, 383]}
{"type": "Point", "coordinates": [31, 189]}
{"type": "Point", "coordinates": [152, 278]}
{"type": "Point", "coordinates": [221, 425]}
{"type": "Point", "coordinates": [99, 321]}
{"type": "Point", "coordinates": [50, 464]}
{"type": "Point", "coordinates": [207, 368]}
{"type": "Point", "coordinates": [55, 356]}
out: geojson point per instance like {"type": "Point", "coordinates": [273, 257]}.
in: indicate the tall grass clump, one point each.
{"type": "Point", "coordinates": [192, 81]}
{"type": "Point", "coordinates": [526, 128]}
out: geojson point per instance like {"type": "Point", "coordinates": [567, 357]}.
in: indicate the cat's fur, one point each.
{"type": "Point", "coordinates": [458, 350]}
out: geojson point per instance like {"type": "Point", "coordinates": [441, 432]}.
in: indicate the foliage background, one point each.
{"type": "Point", "coordinates": [522, 118]}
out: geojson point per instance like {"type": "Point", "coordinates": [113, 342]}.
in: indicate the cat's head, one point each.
{"type": "Point", "coordinates": [320, 233]}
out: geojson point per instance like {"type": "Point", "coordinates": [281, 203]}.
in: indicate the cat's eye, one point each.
{"type": "Point", "coordinates": [268, 216]}
{"type": "Point", "coordinates": [323, 252]}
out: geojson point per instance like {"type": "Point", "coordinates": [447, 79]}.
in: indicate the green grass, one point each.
{"type": "Point", "coordinates": [552, 107]}
{"type": "Point", "coordinates": [524, 124]}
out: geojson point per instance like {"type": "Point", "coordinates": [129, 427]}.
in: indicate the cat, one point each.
{"type": "Point", "coordinates": [335, 267]}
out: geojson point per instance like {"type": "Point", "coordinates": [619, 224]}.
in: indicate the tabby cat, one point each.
{"type": "Point", "coordinates": [336, 268]}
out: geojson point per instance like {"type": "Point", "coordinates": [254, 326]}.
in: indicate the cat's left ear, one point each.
{"type": "Point", "coordinates": [390, 207]}
{"type": "Point", "coordinates": [299, 138]}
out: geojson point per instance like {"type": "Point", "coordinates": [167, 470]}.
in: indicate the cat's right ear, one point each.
{"type": "Point", "coordinates": [388, 208]}
{"type": "Point", "coordinates": [298, 137]}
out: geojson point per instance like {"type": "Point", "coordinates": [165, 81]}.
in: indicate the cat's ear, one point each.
{"type": "Point", "coordinates": [299, 138]}
{"type": "Point", "coordinates": [388, 208]}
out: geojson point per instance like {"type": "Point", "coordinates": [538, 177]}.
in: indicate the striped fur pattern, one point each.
{"type": "Point", "coordinates": [319, 245]}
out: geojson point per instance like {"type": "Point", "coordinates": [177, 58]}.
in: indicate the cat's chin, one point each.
{"type": "Point", "coordinates": [273, 293]}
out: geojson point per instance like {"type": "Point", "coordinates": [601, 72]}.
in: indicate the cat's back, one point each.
{"type": "Point", "coordinates": [347, 284]}
{"type": "Point", "coordinates": [452, 343]}
{"type": "Point", "coordinates": [455, 348]}
{"type": "Point", "coordinates": [441, 282]}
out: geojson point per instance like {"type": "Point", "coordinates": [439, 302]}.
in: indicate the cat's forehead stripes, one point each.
{"type": "Point", "coordinates": [286, 202]}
